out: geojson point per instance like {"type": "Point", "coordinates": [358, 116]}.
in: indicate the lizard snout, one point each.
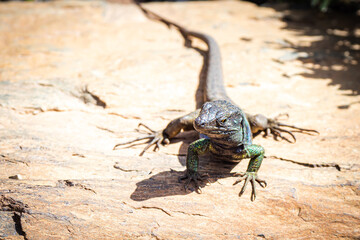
{"type": "Point", "coordinates": [199, 123]}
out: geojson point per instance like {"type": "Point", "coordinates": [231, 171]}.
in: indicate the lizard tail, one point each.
{"type": "Point", "coordinates": [214, 88]}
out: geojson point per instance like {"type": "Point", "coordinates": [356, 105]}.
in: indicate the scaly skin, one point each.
{"type": "Point", "coordinates": [228, 137]}
{"type": "Point", "coordinates": [227, 130]}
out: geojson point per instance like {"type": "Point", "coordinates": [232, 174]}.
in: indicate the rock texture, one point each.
{"type": "Point", "coordinates": [76, 78]}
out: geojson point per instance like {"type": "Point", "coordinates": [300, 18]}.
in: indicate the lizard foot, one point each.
{"type": "Point", "coordinates": [191, 176]}
{"type": "Point", "coordinates": [154, 138]}
{"type": "Point", "coordinates": [250, 177]}
{"type": "Point", "coordinates": [276, 128]}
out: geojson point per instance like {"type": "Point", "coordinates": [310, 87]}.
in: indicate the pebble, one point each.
{"type": "Point", "coordinates": [17, 177]}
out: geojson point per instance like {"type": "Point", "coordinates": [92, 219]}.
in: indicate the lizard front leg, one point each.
{"type": "Point", "coordinates": [156, 138]}
{"type": "Point", "coordinates": [195, 149]}
{"type": "Point", "coordinates": [256, 155]}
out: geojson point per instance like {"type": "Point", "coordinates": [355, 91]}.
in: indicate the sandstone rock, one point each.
{"type": "Point", "coordinates": [76, 78]}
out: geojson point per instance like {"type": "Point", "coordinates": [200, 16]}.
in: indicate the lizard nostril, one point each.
{"type": "Point", "coordinates": [199, 122]}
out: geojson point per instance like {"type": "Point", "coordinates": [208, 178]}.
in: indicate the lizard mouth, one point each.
{"type": "Point", "coordinates": [216, 130]}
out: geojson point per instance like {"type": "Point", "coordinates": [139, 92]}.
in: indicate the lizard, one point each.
{"type": "Point", "coordinates": [225, 130]}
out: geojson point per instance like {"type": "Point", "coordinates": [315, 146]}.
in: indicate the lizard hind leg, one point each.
{"type": "Point", "coordinates": [157, 138]}
{"type": "Point", "coordinates": [277, 128]}
{"type": "Point", "coordinates": [154, 138]}
{"type": "Point", "coordinates": [259, 123]}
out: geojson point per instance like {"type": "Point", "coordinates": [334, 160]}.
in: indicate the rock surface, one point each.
{"type": "Point", "coordinates": [76, 78]}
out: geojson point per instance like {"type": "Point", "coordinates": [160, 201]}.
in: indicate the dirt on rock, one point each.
{"type": "Point", "coordinates": [77, 77]}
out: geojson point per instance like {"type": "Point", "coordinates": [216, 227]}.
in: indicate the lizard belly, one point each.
{"type": "Point", "coordinates": [235, 154]}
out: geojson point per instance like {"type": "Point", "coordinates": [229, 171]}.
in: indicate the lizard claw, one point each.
{"type": "Point", "coordinates": [154, 138]}
{"type": "Point", "coordinates": [191, 176]}
{"type": "Point", "coordinates": [250, 177]}
{"type": "Point", "coordinates": [276, 128]}
{"type": "Point", "coordinates": [263, 124]}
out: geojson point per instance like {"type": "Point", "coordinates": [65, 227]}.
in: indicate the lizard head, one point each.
{"type": "Point", "coordinates": [223, 121]}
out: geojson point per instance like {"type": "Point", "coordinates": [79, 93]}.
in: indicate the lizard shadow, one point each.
{"type": "Point", "coordinates": [167, 183]}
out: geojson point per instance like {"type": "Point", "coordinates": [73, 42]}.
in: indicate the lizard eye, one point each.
{"type": "Point", "coordinates": [222, 121]}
